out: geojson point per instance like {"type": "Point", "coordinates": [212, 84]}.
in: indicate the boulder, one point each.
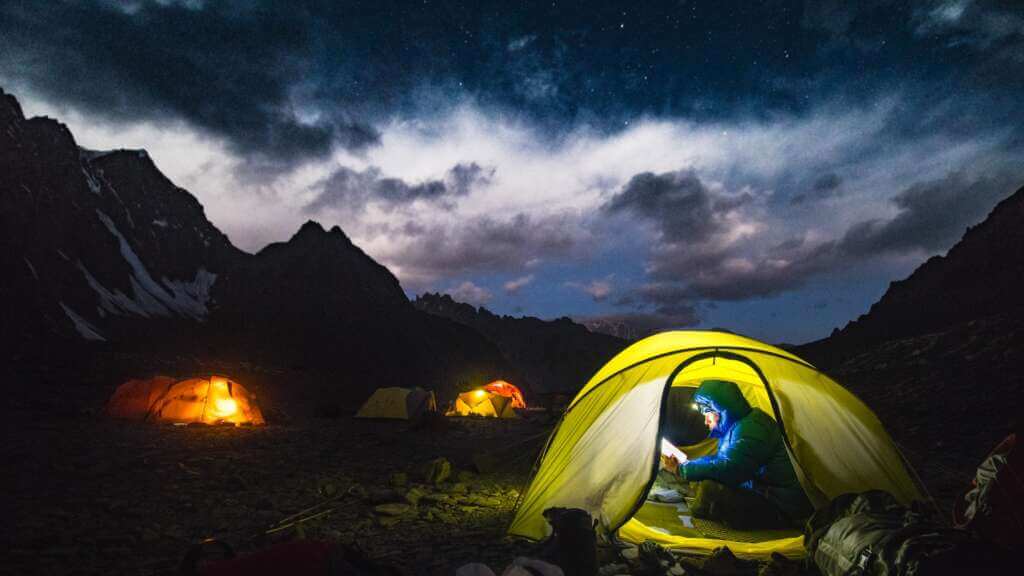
{"type": "Point", "coordinates": [436, 471]}
{"type": "Point", "coordinates": [393, 509]}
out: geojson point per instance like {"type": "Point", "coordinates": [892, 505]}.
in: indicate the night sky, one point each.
{"type": "Point", "coordinates": [767, 167]}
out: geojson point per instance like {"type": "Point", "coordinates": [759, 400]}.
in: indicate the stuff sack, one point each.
{"type": "Point", "coordinates": [871, 534]}
{"type": "Point", "coordinates": [993, 506]}
{"type": "Point", "coordinates": [573, 542]}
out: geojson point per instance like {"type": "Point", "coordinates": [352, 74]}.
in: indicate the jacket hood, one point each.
{"type": "Point", "coordinates": [725, 398]}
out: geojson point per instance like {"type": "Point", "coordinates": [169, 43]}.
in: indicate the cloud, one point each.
{"type": "Point", "coordinates": [826, 186]}
{"type": "Point", "coordinates": [424, 253]}
{"type": "Point", "coordinates": [599, 289]}
{"type": "Point", "coordinates": [350, 190]}
{"type": "Point", "coordinates": [470, 293]}
{"type": "Point", "coordinates": [239, 76]}
{"type": "Point", "coordinates": [521, 42]}
{"type": "Point", "coordinates": [679, 202]}
{"type": "Point", "coordinates": [930, 216]}
{"type": "Point", "coordinates": [991, 26]}
{"type": "Point", "coordinates": [514, 286]}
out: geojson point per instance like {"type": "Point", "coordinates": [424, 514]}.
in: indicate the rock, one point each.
{"type": "Point", "coordinates": [414, 495]}
{"type": "Point", "coordinates": [436, 498]}
{"type": "Point", "coordinates": [399, 479]}
{"type": "Point", "coordinates": [358, 491]}
{"type": "Point", "coordinates": [326, 488]}
{"type": "Point", "coordinates": [458, 488]}
{"type": "Point", "coordinates": [474, 569]}
{"type": "Point", "coordinates": [392, 509]}
{"type": "Point", "coordinates": [445, 517]}
{"type": "Point", "coordinates": [437, 471]}
{"type": "Point", "coordinates": [613, 569]}
{"type": "Point", "coordinates": [389, 521]}
{"type": "Point", "coordinates": [523, 566]}
{"type": "Point", "coordinates": [485, 501]}
{"type": "Point", "coordinates": [384, 496]}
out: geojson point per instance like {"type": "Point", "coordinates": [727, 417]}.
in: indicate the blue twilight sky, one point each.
{"type": "Point", "coordinates": [767, 167]}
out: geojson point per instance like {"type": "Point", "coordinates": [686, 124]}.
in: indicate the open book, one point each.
{"type": "Point", "coordinates": [669, 449]}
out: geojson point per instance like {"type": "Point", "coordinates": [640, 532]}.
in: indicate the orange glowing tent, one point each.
{"type": "Point", "coordinates": [480, 402]}
{"type": "Point", "coordinates": [211, 400]}
{"type": "Point", "coordinates": [502, 388]}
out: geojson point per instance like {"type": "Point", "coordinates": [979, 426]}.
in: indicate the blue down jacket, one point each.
{"type": "Point", "coordinates": [751, 452]}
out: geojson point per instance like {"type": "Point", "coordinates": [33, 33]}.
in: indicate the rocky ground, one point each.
{"type": "Point", "coordinates": [93, 496]}
{"type": "Point", "coordinates": [947, 398]}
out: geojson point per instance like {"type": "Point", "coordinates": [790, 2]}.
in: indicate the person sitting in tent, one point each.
{"type": "Point", "coordinates": [750, 481]}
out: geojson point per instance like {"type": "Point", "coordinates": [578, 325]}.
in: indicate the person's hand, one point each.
{"type": "Point", "coordinates": [670, 464]}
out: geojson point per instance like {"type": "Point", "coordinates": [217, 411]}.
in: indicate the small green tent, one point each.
{"type": "Point", "coordinates": [604, 454]}
{"type": "Point", "coordinates": [398, 403]}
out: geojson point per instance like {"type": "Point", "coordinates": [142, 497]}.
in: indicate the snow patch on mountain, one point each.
{"type": "Point", "coordinates": [87, 154]}
{"type": "Point", "coordinates": [115, 302]}
{"type": "Point", "coordinates": [84, 328]}
{"type": "Point", "coordinates": [94, 186]}
{"type": "Point", "coordinates": [150, 297]}
{"type": "Point", "coordinates": [31, 268]}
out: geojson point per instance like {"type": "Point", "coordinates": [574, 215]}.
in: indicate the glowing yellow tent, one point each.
{"type": "Point", "coordinates": [604, 454]}
{"type": "Point", "coordinates": [398, 403]}
{"type": "Point", "coordinates": [210, 400]}
{"type": "Point", "coordinates": [483, 403]}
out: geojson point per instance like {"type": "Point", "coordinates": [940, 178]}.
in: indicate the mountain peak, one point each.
{"type": "Point", "coordinates": [311, 227]}
{"type": "Point", "coordinates": [10, 109]}
{"type": "Point", "coordinates": [978, 277]}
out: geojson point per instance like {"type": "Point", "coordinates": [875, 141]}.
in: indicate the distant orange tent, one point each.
{"type": "Point", "coordinates": [161, 399]}
{"type": "Point", "coordinates": [502, 388]}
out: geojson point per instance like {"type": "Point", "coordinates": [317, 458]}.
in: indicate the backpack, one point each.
{"type": "Point", "coordinates": [871, 534]}
{"type": "Point", "coordinates": [993, 506]}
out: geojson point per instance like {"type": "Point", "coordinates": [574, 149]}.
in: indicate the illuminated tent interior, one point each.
{"type": "Point", "coordinates": [503, 388]}
{"type": "Point", "coordinates": [161, 399]}
{"type": "Point", "coordinates": [480, 402]}
{"type": "Point", "coordinates": [398, 403]}
{"type": "Point", "coordinates": [603, 456]}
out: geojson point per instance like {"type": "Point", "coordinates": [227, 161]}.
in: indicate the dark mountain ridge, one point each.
{"type": "Point", "coordinates": [938, 356]}
{"type": "Point", "coordinates": [105, 257]}
{"type": "Point", "coordinates": [554, 355]}
{"type": "Point", "coordinates": [980, 276]}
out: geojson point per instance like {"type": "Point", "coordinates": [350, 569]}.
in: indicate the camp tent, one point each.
{"type": "Point", "coordinates": [480, 402]}
{"type": "Point", "coordinates": [161, 399]}
{"type": "Point", "coordinates": [502, 388]}
{"type": "Point", "coordinates": [604, 454]}
{"type": "Point", "coordinates": [398, 403]}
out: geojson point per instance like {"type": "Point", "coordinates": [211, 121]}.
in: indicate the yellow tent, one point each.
{"type": "Point", "coordinates": [483, 403]}
{"type": "Point", "coordinates": [604, 454]}
{"type": "Point", "coordinates": [210, 400]}
{"type": "Point", "coordinates": [398, 403]}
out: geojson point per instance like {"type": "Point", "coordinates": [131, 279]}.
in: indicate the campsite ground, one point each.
{"type": "Point", "coordinates": [93, 496]}
{"type": "Point", "coordinates": [88, 495]}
